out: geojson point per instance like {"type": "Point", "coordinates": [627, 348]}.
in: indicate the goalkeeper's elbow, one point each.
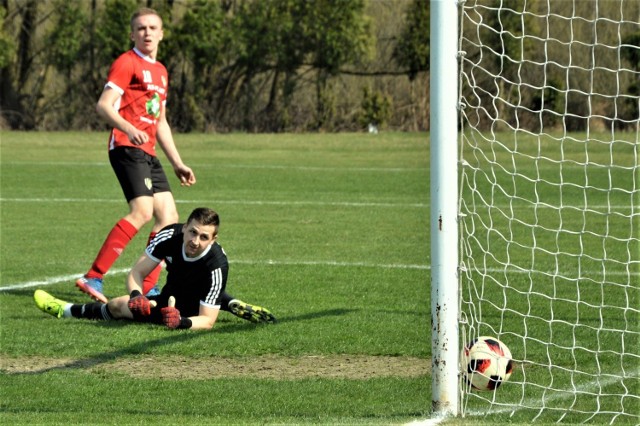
{"type": "Point", "coordinates": [202, 323]}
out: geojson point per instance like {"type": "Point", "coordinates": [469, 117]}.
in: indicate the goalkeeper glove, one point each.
{"type": "Point", "coordinates": [139, 304]}
{"type": "Point", "coordinates": [171, 317]}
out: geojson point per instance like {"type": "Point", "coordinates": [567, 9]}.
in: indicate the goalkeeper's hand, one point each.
{"type": "Point", "coordinates": [170, 317]}
{"type": "Point", "coordinates": [140, 305]}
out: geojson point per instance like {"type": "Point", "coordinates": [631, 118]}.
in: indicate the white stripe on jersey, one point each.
{"type": "Point", "coordinates": [160, 237]}
{"type": "Point", "coordinates": [216, 287]}
{"type": "Point", "coordinates": [112, 85]}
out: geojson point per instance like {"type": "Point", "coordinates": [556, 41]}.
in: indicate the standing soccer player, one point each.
{"type": "Point", "coordinates": [133, 102]}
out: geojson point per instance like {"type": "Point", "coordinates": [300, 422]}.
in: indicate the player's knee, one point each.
{"type": "Point", "coordinates": [167, 217]}
{"type": "Point", "coordinates": [141, 217]}
{"type": "Point", "coordinates": [119, 309]}
{"type": "Point", "coordinates": [173, 217]}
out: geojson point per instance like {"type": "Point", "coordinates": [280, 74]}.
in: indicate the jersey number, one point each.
{"type": "Point", "coordinates": [146, 76]}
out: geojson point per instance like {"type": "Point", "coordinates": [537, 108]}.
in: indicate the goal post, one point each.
{"type": "Point", "coordinates": [444, 206]}
{"type": "Point", "coordinates": [535, 134]}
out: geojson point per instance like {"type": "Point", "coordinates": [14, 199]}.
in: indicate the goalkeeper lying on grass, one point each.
{"type": "Point", "coordinates": [197, 270]}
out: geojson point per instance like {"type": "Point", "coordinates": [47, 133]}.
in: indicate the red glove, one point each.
{"type": "Point", "coordinates": [170, 317]}
{"type": "Point", "coordinates": [140, 305]}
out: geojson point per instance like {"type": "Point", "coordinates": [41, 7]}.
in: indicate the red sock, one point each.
{"type": "Point", "coordinates": [152, 279]}
{"type": "Point", "coordinates": [113, 245]}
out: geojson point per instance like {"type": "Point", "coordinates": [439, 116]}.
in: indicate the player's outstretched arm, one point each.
{"type": "Point", "coordinates": [138, 303]}
{"type": "Point", "coordinates": [139, 272]}
{"type": "Point", "coordinates": [205, 319]}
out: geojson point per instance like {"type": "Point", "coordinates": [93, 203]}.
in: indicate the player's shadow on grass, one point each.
{"type": "Point", "coordinates": [144, 347]}
{"type": "Point", "coordinates": [106, 357]}
{"type": "Point", "coordinates": [228, 327]}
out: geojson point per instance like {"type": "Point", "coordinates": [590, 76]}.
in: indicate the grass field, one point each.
{"type": "Point", "coordinates": [551, 247]}
{"type": "Point", "coordinates": [329, 231]}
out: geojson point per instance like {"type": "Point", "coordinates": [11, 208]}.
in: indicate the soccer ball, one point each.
{"type": "Point", "coordinates": [486, 363]}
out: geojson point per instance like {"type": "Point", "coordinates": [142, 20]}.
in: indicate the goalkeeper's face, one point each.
{"type": "Point", "coordinates": [197, 237]}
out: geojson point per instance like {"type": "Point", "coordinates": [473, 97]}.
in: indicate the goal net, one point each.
{"type": "Point", "coordinates": [549, 207]}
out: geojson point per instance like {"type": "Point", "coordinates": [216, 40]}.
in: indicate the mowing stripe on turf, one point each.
{"type": "Point", "coordinates": [239, 166]}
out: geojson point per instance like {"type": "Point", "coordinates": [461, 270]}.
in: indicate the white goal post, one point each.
{"type": "Point", "coordinates": [444, 207]}
{"type": "Point", "coordinates": [535, 205]}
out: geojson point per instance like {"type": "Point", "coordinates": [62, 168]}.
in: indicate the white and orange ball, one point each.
{"type": "Point", "coordinates": [486, 363]}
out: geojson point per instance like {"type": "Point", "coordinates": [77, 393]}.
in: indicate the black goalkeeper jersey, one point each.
{"type": "Point", "coordinates": [192, 281]}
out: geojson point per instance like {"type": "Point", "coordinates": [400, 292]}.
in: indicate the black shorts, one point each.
{"type": "Point", "coordinates": [139, 173]}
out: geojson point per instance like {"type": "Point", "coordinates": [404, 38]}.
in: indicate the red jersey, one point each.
{"type": "Point", "coordinates": [142, 83]}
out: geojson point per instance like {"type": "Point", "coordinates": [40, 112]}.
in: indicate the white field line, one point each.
{"type": "Point", "coordinates": [558, 395]}
{"type": "Point", "coordinates": [531, 404]}
{"type": "Point", "coordinates": [605, 208]}
{"type": "Point", "coordinates": [329, 263]}
{"type": "Point", "coordinates": [53, 280]}
{"type": "Point", "coordinates": [429, 422]}
{"type": "Point", "coordinates": [268, 262]}
{"type": "Point", "coordinates": [236, 202]}
{"type": "Point", "coordinates": [72, 278]}
{"type": "Point", "coordinates": [239, 166]}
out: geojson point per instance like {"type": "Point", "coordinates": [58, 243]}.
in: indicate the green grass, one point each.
{"type": "Point", "coordinates": [552, 256]}
{"type": "Point", "coordinates": [328, 231]}
{"type": "Point", "coordinates": [331, 232]}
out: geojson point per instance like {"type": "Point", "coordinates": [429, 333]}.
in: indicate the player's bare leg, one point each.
{"type": "Point", "coordinates": [164, 213]}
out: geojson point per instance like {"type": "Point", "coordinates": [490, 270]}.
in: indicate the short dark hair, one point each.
{"type": "Point", "coordinates": [143, 11]}
{"type": "Point", "coordinates": [205, 216]}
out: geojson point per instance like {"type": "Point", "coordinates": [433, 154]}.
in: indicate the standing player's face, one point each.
{"type": "Point", "coordinates": [147, 33]}
{"type": "Point", "coordinates": [197, 237]}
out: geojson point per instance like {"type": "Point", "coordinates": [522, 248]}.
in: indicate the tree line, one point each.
{"type": "Point", "coordinates": [234, 65]}
{"type": "Point", "coordinates": [326, 65]}
{"type": "Point", "coordinates": [571, 65]}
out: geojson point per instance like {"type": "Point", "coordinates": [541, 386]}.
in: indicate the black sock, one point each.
{"type": "Point", "coordinates": [94, 311]}
{"type": "Point", "coordinates": [225, 298]}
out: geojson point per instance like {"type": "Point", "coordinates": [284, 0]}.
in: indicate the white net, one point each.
{"type": "Point", "coordinates": [550, 204]}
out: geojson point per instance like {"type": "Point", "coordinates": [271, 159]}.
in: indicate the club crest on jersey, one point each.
{"type": "Point", "coordinates": [153, 106]}
{"type": "Point", "coordinates": [147, 183]}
